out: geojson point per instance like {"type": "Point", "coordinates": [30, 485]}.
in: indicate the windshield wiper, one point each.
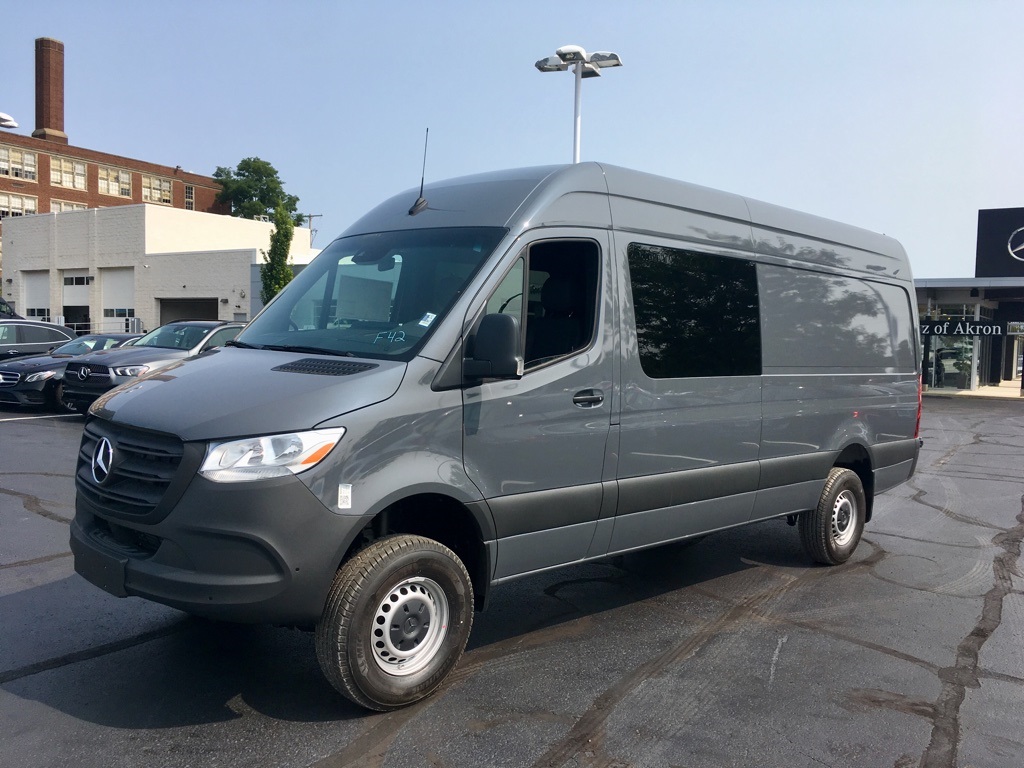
{"type": "Point", "coordinates": [310, 350]}
{"type": "Point", "coordinates": [236, 343]}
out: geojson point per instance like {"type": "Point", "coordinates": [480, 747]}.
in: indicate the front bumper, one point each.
{"type": "Point", "coordinates": [32, 393]}
{"type": "Point", "coordinates": [261, 552]}
{"type": "Point", "coordinates": [81, 396]}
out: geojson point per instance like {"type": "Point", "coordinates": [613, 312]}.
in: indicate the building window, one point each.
{"type": "Point", "coordinates": [60, 206]}
{"type": "Point", "coordinates": [156, 190]}
{"type": "Point", "coordinates": [17, 163]}
{"type": "Point", "coordinates": [114, 181]}
{"type": "Point", "coordinates": [67, 173]}
{"type": "Point", "coordinates": [119, 312]}
{"type": "Point", "coordinates": [16, 205]}
{"type": "Point", "coordinates": [38, 313]}
{"type": "Point", "coordinates": [79, 280]}
{"type": "Point", "coordinates": [190, 197]}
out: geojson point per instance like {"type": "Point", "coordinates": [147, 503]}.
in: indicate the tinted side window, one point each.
{"type": "Point", "coordinates": [814, 320]}
{"type": "Point", "coordinates": [696, 314]}
{"type": "Point", "coordinates": [557, 305]}
{"type": "Point", "coordinates": [31, 334]}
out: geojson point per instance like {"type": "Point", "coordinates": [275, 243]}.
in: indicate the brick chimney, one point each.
{"type": "Point", "coordinates": [50, 90]}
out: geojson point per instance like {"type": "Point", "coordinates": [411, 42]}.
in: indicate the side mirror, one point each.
{"type": "Point", "coordinates": [495, 350]}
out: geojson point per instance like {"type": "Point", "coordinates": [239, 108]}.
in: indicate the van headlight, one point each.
{"type": "Point", "coordinates": [259, 458]}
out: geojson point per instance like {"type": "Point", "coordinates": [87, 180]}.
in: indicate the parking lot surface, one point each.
{"type": "Point", "coordinates": [732, 651]}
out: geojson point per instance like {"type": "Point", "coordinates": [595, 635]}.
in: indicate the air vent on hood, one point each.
{"type": "Point", "coordinates": [325, 367]}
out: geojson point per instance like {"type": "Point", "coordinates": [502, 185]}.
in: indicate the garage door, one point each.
{"type": "Point", "coordinates": [187, 309]}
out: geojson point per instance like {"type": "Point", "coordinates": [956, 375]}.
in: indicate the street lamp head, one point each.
{"type": "Point", "coordinates": [570, 54]}
{"type": "Point", "coordinates": [551, 64]}
{"type": "Point", "coordinates": [6, 121]}
{"type": "Point", "coordinates": [605, 59]}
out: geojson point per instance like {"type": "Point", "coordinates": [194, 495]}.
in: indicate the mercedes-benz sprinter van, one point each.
{"type": "Point", "coordinates": [513, 372]}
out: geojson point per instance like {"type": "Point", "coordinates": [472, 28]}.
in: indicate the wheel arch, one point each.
{"type": "Point", "coordinates": [461, 527]}
{"type": "Point", "coordinates": [856, 458]}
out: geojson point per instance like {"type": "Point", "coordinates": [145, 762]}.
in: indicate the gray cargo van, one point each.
{"type": "Point", "coordinates": [513, 372]}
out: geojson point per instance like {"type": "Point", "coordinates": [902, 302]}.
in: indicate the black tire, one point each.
{"type": "Point", "coordinates": [831, 532]}
{"type": "Point", "coordinates": [57, 399]}
{"type": "Point", "coordinates": [374, 661]}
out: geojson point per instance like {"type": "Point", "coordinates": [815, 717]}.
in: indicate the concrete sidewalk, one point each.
{"type": "Point", "coordinates": [1005, 390]}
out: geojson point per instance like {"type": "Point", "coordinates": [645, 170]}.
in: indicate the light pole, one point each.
{"type": "Point", "coordinates": [584, 65]}
{"type": "Point", "coordinates": [6, 121]}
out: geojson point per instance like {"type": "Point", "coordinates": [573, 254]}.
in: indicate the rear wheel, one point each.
{"type": "Point", "coordinates": [831, 532]}
{"type": "Point", "coordinates": [396, 622]}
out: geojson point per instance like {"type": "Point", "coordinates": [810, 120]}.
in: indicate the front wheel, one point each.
{"type": "Point", "coordinates": [831, 532]}
{"type": "Point", "coordinates": [396, 622]}
{"type": "Point", "coordinates": [57, 399]}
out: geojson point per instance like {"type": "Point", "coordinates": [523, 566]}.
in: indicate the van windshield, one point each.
{"type": "Point", "coordinates": [376, 295]}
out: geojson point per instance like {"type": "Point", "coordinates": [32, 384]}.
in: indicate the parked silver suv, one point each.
{"type": "Point", "coordinates": [88, 377]}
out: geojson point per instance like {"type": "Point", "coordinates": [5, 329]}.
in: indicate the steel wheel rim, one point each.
{"type": "Point", "coordinates": [409, 626]}
{"type": "Point", "coordinates": [844, 518]}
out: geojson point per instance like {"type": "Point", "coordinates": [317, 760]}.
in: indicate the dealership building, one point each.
{"type": "Point", "coordinates": [972, 329]}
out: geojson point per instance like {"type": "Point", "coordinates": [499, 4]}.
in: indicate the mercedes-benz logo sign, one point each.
{"type": "Point", "coordinates": [102, 459]}
{"type": "Point", "coordinates": [1015, 245]}
{"type": "Point", "coordinates": [83, 373]}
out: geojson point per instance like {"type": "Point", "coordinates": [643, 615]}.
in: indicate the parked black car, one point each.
{"type": "Point", "coordinates": [21, 338]}
{"type": "Point", "coordinates": [39, 380]}
{"type": "Point", "coordinates": [88, 377]}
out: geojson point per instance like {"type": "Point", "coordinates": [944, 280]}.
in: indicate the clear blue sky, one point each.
{"type": "Point", "coordinates": [901, 117]}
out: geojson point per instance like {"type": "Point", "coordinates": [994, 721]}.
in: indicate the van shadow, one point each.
{"type": "Point", "coordinates": [190, 671]}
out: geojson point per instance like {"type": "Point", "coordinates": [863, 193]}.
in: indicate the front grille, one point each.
{"type": "Point", "coordinates": [9, 378]}
{"type": "Point", "coordinates": [142, 467]}
{"type": "Point", "coordinates": [97, 374]}
{"type": "Point", "coordinates": [325, 367]}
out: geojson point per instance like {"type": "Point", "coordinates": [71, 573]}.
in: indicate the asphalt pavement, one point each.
{"type": "Point", "coordinates": [733, 651]}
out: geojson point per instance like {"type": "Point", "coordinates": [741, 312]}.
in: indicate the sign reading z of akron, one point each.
{"type": "Point", "coordinates": [962, 327]}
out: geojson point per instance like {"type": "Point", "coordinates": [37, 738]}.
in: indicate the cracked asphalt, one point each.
{"type": "Point", "coordinates": [732, 651]}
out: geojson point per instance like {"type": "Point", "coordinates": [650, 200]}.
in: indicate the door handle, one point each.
{"type": "Point", "coordinates": [588, 398]}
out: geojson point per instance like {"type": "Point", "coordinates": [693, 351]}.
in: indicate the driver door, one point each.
{"type": "Point", "coordinates": [538, 447]}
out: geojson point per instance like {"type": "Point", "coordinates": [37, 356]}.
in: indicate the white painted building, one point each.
{"type": "Point", "coordinates": [99, 268]}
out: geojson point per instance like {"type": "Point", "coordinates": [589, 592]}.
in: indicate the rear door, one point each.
{"type": "Point", "coordinates": [538, 448]}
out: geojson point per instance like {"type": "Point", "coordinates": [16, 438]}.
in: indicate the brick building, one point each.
{"type": "Point", "coordinates": [102, 242]}
{"type": "Point", "coordinates": [43, 173]}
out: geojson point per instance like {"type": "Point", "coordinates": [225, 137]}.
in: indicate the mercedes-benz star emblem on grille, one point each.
{"type": "Point", "coordinates": [102, 459]}
{"type": "Point", "coordinates": [1015, 245]}
{"type": "Point", "coordinates": [83, 373]}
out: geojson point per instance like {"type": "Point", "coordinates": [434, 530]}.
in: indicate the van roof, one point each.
{"type": "Point", "coordinates": [606, 196]}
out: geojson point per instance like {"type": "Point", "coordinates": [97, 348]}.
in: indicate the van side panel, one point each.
{"type": "Point", "coordinates": [839, 370]}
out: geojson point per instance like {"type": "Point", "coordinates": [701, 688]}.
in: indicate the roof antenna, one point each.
{"type": "Point", "coordinates": [421, 204]}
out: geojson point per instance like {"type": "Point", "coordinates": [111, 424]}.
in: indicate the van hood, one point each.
{"type": "Point", "coordinates": [232, 392]}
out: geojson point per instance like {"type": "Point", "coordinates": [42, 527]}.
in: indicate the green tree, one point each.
{"type": "Point", "coordinates": [254, 189]}
{"type": "Point", "coordinates": [275, 273]}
